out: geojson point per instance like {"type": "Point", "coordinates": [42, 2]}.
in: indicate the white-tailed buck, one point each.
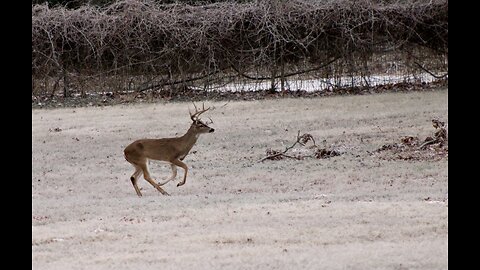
{"type": "Point", "coordinates": [171, 150]}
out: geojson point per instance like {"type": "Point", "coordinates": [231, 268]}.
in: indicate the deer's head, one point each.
{"type": "Point", "coordinates": [198, 125]}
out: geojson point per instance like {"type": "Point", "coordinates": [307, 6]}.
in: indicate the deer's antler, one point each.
{"type": "Point", "coordinates": [209, 122]}
{"type": "Point", "coordinates": [198, 112]}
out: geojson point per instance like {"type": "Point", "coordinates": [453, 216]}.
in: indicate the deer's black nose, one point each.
{"type": "Point", "coordinates": [211, 130]}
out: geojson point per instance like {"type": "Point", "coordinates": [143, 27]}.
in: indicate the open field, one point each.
{"type": "Point", "coordinates": [353, 211]}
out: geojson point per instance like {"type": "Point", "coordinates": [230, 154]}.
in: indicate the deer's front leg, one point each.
{"type": "Point", "coordinates": [174, 174]}
{"type": "Point", "coordinates": [184, 166]}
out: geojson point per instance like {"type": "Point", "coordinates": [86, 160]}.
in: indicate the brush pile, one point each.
{"type": "Point", "coordinates": [412, 148]}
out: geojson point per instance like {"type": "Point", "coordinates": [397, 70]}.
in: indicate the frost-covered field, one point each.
{"type": "Point", "coordinates": [353, 211]}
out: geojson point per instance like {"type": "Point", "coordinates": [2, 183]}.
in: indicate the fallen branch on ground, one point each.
{"type": "Point", "coordinates": [301, 140]}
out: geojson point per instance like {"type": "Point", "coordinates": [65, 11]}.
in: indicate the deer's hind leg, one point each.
{"type": "Point", "coordinates": [134, 179]}
{"type": "Point", "coordinates": [146, 175]}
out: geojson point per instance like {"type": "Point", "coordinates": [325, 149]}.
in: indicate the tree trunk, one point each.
{"type": "Point", "coordinates": [282, 76]}
{"type": "Point", "coordinates": [65, 83]}
{"type": "Point", "coordinates": [274, 74]}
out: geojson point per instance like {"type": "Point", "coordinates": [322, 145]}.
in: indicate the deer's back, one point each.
{"type": "Point", "coordinates": [159, 149]}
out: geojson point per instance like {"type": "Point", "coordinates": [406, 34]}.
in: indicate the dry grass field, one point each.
{"type": "Point", "coordinates": [353, 211]}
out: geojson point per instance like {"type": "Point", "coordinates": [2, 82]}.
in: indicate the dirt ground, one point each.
{"type": "Point", "coordinates": [353, 211]}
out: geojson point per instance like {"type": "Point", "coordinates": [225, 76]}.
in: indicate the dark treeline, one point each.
{"type": "Point", "coordinates": [73, 4]}
{"type": "Point", "coordinates": [177, 40]}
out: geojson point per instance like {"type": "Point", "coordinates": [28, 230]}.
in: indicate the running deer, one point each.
{"type": "Point", "coordinates": [171, 150]}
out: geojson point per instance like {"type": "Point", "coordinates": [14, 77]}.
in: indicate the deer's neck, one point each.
{"type": "Point", "coordinates": [189, 139]}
